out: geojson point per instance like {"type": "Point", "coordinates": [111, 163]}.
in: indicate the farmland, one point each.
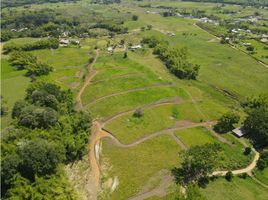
{"type": "Point", "coordinates": [144, 117]}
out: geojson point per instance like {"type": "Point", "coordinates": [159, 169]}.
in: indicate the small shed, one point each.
{"type": "Point", "coordinates": [239, 132]}
{"type": "Point", "coordinates": [110, 49]}
{"type": "Point", "coordinates": [136, 47]}
{"type": "Point", "coordinates": [64, 41]}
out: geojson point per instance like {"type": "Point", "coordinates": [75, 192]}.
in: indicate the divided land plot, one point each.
{"type": "Point", "coordinates": [148, 115]}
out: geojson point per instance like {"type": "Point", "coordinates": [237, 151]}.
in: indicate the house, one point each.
{"type": "Point", "coordinates": [205, 20]}
{"type": "Point", "coordinates": [239, 132]}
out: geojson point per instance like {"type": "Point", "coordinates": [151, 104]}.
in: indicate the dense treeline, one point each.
{"type": "Point", "coordinates": [175, 59]}
{"type": "Point", "coordinates": [239, 2]}
{"type": "Point", "coordinates": [105, 1]}
{"type": "Point", "coordinates": [24, 60]}
{"type": "Point", "coordinates": [54, 23]}
{"type": "Point", "coordinates": [51, 43]}
{"type": "Point", "coordinates": [46, 132]}
{"type": "Point", "coordinates": [256, 123]}
{"type": "Point", "coordinates": [111, 27]}
{"type": "Point", "coordinates": [15, 3]}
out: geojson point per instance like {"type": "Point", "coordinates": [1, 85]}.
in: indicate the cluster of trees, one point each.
{"type": "Point", "coordinates": [256, 123]}
{"type": "Point", "coordinates": [46, 132]}
{"type": "Point", "coordinates": [112, 27]}
{"type": "Point", "coordinates": [175, 59]}
{"type": "Point", "coordinates": [24, 60]}
{"type": "Point", "coordinates": [198, 163]}
{"type": "Point", "coordinates": [51, 43]}
{"type": "Point", "coordinates": [53, 22]}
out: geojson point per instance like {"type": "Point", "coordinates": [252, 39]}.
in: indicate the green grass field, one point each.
{"type": "Point", "coordinates": [238, 189]}
{"type": "Point", "coordinates": [134, 166]}
{"type": "Point", "coordinates": [262, 175]}
{"type": "Point", "coordinates": [195, 136]}
{"type": "Point", "coordinates": [227, 76]}
{"type": "Point", "coordinates": [13, 85]}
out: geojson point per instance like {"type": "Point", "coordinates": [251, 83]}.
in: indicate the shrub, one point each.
{"type": "Point", "coordinates": [138, 113]}
{"type": "Point", "coordinates": [135, 17]}
{"type": "Point", "coordinates": [229, 176]}
{"type": "Point", "coordinates": [247, 150]}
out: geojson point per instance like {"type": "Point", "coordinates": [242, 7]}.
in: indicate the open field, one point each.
{"type": "Point", "coordinates": [239, 189]}
{"type": "Point", "coordinates": [136, 165]}
{"type": "Point", "coordinates": [132, 155]}
{"type": "Point", "coordinates": [13, 85]}
{"type": "Point", "coordinates": [262, 175]}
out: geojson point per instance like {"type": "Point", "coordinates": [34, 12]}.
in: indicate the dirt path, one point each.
{"type": "Point", "coordinates": [92, 73]}
{"type": "Point", "coordinates": [129, 91]}
{"type": "Point", "coordinates": [96, 135]}
{"type": "Point", "coordinates": [176, 100]}
{"type": "Point", "coordinates": [257, 180]}
{"type": "Point", "coordinates": [179, 126]}
{"type": "Point", "coordinates": [248, 169]}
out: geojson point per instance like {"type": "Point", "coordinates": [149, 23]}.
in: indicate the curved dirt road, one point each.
{"type": "Point", "coordinates": [248, 169]}
{"type": "Point", "coordinates": [92, 73]}
{"type": "Point", "coordinates": [129, 91]}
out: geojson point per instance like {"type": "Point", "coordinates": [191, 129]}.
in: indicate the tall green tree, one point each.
{"type": "Point", "coordinates": [198, 162]}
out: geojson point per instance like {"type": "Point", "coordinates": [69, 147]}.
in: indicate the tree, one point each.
{"type": "Point", "coordinates": [9, 167]}
{"type": "Point", "coordinates": [198, 162]}
{"type": "Point", "coordinates": [39, 157]}
{"type": "Point", "coordinates": [229, 176]}
{"type": "Point", "coordinates": [149, 27]}
{"type": "Point", "coordinates": [226, 122]}
{"type": "Point", "coordinates": [256, 125]}
{"type": "Point", "coordinates": [135, 17]}
{"type": "Point", "coordinates": [19, 105]}
{"type": "Point", "coordinates": [125, 54]}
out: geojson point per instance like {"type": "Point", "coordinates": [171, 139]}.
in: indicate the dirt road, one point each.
{"type": "Point", "coordinates": [92, 73]}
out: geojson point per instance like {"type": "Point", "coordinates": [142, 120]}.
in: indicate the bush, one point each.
{"type": "Point", "coordinates": [229, 176]}
{"type": "Point", "coordinates": [250, 48]}
{"type": "Point", "coordinates": [138, 113]}
{"type": "Point", "coordinates": [247, 150]}
{"type": "Point", "coordinates": [243, 176]}
{"type": "Point", "coordinates": [135, 17]}
{"type": "Point", "coordinates": [226, 122]}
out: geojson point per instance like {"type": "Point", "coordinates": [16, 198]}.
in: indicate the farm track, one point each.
{"type": "Point", "coordinates": [116, 77]}
{"type": "Point", "coordinates": [129, 91]}
{"type": "Point", "coordinates": [176, 100]}
{"type": "Point", "coordinates": [92, 73]}
{"type": "Point", "coordinates": [179, 126]}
